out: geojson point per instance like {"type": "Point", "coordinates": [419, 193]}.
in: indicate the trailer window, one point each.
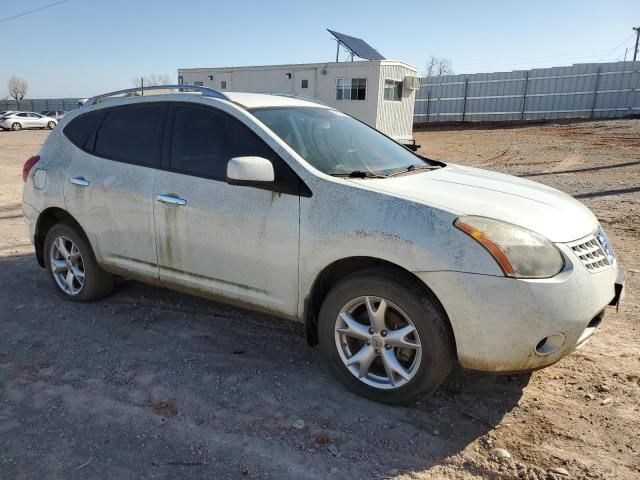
{"type": "Point", "coordinates": [351, 88]}
{"type": "Point", "coordinates": [393, 90]}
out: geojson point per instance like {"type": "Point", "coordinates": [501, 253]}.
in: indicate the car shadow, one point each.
{"type": "Point", "coordinates": [250, 372]}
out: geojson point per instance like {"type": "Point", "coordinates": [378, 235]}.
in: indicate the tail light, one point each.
{"type": "Point", "coordinates": [28, 165]}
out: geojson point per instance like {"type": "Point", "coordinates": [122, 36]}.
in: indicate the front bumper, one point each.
{"type": "Point", "coordinates": [499, 322]}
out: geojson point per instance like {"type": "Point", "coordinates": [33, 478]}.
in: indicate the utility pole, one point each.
{"type": "Point", "coordinates": [635, 50]}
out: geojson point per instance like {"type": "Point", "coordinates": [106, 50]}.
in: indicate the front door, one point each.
{"type": "Point", "coordinates": [110, 190]}
{"type": "Point", "coordinates": [36, 120]}
{"type": "Point", "coordinates": [236, 243]}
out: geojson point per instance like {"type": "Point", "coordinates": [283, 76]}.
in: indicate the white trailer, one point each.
{"type": "Point", "coordinates": [380, 93]}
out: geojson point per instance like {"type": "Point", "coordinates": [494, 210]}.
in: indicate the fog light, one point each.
{"type": "Point", "coordinates": [550, 344]}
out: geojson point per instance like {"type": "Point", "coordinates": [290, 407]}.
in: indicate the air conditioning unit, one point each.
{"type": "Point", "coordinates": [411, 83]}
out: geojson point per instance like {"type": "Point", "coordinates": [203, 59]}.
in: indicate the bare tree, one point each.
{"type": "Point", "coordinates": [438, 66]}
{"type": "Point", "coordinates": [17, 89]}
{"type": "Point", "coordinates": [152, 79]}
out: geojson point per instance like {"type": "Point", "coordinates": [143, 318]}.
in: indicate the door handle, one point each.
{"type": "Point", "coordinates": [82, 182]}
{"type": "Point", "coordinates": [171, 199]}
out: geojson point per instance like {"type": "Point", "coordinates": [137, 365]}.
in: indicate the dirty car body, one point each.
{"type": "Point", "coordinates": [518, 273]}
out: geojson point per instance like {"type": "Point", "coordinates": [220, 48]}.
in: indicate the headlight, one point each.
{"type": "Point", "coordinates": [520, 253]}
{"type": "Point", "coordinates": [606, 245]}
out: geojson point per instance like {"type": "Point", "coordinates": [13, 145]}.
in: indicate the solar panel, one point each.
{"type": "Point", "coordinates": [357, 46]}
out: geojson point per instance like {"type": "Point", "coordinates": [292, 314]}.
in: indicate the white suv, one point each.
{"type": "Point", "coordinates": [398, 265]}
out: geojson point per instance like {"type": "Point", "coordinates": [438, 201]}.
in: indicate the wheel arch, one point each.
{"type": "Point", "coordinates": [47, 219]}
{"type": "Point", "coordinates": [339, 269]}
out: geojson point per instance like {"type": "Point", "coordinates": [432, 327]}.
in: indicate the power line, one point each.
{"type": "Point", "coordinates": [29, 12]}
{"type": "Point", "coordinates": [537, 60]}
{"type": "Point", "coordinates": [527, 63]}
{"type": "Point", "coordinates": [523, 60]}
{"type": "Point", "coordinates": [617, 46]}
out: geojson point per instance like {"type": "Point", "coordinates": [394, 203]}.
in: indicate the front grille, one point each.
{"type": "Point", "coordinates": [591, 254]}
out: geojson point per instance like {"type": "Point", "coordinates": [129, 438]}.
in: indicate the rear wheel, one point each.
{"type": "Point", "coordinates": [51, 125]}
{"type": "Point", "coordinates": [72, 265]}
{"type": "Point", "coordinates": [16, 126]}
{"type": "Point", "coordinates": [385, 339]}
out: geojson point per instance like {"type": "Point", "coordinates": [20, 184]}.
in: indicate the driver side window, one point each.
{"type": "Point", "coordinates": [205, 140]}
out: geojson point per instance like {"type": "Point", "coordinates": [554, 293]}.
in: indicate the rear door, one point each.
{"type": "Point", "coordinates": [24, 119]}
{"type": "Point", "coordinates": [109, 188]}
{"type": "Point", "coordinates": [238, 243]}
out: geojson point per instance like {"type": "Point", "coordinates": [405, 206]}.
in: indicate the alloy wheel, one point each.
{"type": "Point", "coordinates": [378, 342]}
{"type": "Point", "coordinates": [67, 265]}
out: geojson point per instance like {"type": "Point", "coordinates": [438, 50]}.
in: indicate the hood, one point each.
{"type": "Point", "coordinates": [472, 191]}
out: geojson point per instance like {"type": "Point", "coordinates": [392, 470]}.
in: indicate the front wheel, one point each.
{"type": "Point", "coordinates": [384, 337]}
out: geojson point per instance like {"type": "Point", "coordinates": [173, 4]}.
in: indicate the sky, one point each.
{"type": "Point", "coordinates": [79, 48]}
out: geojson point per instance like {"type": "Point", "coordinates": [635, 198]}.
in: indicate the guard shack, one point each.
{"type": "Point", "coordinates": [377, 91]}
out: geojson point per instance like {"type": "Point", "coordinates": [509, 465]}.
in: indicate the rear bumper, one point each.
{"type": "Point", "coordinates": [31, 216]}
{"type": "Point", "coordinates": [502, 324]}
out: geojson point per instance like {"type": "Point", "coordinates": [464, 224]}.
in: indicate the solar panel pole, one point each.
{"type": "Point", "coordinates": [337, 50]}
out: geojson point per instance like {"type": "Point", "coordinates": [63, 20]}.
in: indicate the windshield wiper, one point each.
{"type": "Point", "coordinates": [359, 174]}
{"type": "Point", "coordinates": [414, 168]}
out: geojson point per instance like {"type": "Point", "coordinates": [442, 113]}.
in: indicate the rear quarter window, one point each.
{"type": "Point", "coordinates": [79, 129]}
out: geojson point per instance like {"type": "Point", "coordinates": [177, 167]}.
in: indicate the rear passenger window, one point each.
{"type": "Point", "coordinates": [204, 141]}
{"type": "Point", "coordinates": [80, 128]}
{"type": "Point", "coordinates": [131, 134]}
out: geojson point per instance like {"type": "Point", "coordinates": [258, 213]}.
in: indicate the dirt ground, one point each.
{"type": "Point", "coordinates": [154, 384]}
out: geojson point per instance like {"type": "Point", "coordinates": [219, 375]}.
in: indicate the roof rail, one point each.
{"type": "Point", "coordinates": [205, 91]}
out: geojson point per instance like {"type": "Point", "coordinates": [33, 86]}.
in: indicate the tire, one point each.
{"type": "Point", "coordinates": [51, 125]}
{"type": "Point", "coordinates": [425, 365]}
{"type": "Point", "coordinates": [96, 282]}
{"type": "Point", "coordinates": [16, 127]}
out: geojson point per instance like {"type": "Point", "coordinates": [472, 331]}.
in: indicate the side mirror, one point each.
{"type": "Point", "coordinates": [249, 171]}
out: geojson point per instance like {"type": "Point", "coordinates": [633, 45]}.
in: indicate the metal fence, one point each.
{"type": "Point", "coordinates": [591, 90]}
{"type": "Point", "coordinates": [40, 104]}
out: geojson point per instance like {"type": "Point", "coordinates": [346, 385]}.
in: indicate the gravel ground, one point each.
{"type": "Point", "coordinates": [151, 383]}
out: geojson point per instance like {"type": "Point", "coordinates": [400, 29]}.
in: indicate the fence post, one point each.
{"type": "Point", "coordinates": [464, 102]}
{"type": "Point", "coordinates": [428, 104]}
{"type": "Point", "coordinates": [595, 91]}
{"type": "Point", "coordinates": [524, 94]}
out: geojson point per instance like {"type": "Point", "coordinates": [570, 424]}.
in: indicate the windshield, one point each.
{"type": "Point", "coordinates": [337, 144]}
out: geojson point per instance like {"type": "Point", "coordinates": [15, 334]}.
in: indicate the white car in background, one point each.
{"type": "Point", "coordinates": [399, 266]}
{"type": "Point", "coordinates": [57, 114]}
{"type": "Point", "coordinates": [21, 120]}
